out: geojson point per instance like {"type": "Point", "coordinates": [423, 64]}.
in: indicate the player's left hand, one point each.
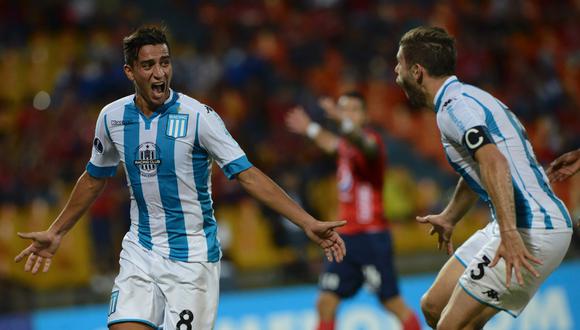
{"type": "Point", "coordinates": [516, 256]}
{"type": "Point", "coordinates": [41, 250]}
{"type": "Point", "coordinates": [441, 226]}
{"type": "Point", "coordinates": [323, 234]}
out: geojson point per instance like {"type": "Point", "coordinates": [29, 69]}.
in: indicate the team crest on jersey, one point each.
{"type": "Point", "coordinates": [177, 125]}
{"type": "Point", "coordinates": [147, 159]}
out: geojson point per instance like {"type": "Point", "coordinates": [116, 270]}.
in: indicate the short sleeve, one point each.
{"type": "Point", "coordinates": [104, 157]}
{"type": "Point", "coordinates": [455, 120]}
{"type": "Point", "coordinates": [217, 141]}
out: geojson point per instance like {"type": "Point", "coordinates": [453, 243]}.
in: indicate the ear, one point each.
{"type": "Point", "coordinates": [417, 71]}
{"type": "Point", "coordinates": [128, 72]}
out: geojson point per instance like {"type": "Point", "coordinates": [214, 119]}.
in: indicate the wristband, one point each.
{"type": "Point", "coordinates": [312, 130]}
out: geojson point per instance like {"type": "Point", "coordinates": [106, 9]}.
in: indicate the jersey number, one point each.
{"type": "Point", "coordinates": [480, 266]}
{"type": "Point", "coordinates": [185, 318]}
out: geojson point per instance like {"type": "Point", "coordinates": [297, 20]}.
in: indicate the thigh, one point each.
{"type": "Point", "coordinates": [191, 290]}
{"type": "Point", "coordinates": [135, 297]}
{"type": "Point", "coordinates": [440, 292]}
{"type": "Point", "coordinates": [463, 310]}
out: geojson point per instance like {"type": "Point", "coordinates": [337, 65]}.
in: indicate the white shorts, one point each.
{"type": "Point", "coordinates": [487, 285]}
{"type": "Point", "coordinates": [163, 293]}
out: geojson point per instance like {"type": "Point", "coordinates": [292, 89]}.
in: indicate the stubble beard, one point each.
{"type": "Point", "coordinates": [416, 96]}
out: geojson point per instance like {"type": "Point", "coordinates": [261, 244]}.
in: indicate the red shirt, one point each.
{"type": "Point", "coordinates": [360, 187]}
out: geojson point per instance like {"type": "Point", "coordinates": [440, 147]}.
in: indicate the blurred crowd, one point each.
{"type": "Point", "coordinates": [61, 62]}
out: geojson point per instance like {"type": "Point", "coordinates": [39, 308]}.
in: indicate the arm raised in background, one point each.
{"type": "Point", "coordinates": [496, 177]}
{"type": "Point", "coordinates": [444, 222]}
{"type": "Point", "coordinates": [355, 135]}
{"type": "Point", "coordinates": [299, 122]}
{"type": "Point", "coordinates": [261, 187]}
{"type": "Point", "coordinates": [45, 243]}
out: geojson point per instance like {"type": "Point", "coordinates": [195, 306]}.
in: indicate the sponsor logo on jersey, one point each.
{"type": "Point", "coordinates": [147, 159]}
{"type": "Point", "coordinates": [177, 125]}
{"type": "Point", "coordinates": [121, 122]}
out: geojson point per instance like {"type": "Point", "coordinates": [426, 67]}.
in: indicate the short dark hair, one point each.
{"type": "Point", "coordinates": [356, 95]}
{"type": "Point", "coordinates": [431, 47]}
{"type": "Point", "coordinates": [144, 35]}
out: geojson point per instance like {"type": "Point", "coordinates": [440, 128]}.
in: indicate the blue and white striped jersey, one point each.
{"type": "Point", "coordinates": [460, 107]}
{"type": "Point", "coordinates": [167, 160]}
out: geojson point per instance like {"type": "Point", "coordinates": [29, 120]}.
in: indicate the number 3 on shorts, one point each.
{"type": "Point", "coordinates": [480, 266]}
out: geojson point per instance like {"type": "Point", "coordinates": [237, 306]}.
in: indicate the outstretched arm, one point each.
{"type": "Point", "coordinates": [299, 122]}
{"type": "Point", "coordinates": [45, 243]}
{"type": "Point", "coordinates": [496, 176]}
{"type": "Point", "coordinates": [444, 222]}
{"type": "Point", "coordinates": [354, 135]}
{"type": "Point", "coordinates": [261, 187]}
{"type": "Point", "coordinates": [564, 166]}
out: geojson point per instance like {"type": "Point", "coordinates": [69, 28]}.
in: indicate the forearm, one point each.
{"type": "Point", "coordinates": [461, 202]}
{"type": "Point", "coordinates": [496, 177]}
{"type": "Point", "coordinates": [323, 138]}
{"type": "Point", "coordinates": [261, 187]}
{"type": "Point", "coordinates": [86, 190]}
{"type": "Point", "coordinates": [364, 143]}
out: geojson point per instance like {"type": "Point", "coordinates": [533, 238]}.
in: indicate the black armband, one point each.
{"type": "Point", "coordinates": [475, 138]}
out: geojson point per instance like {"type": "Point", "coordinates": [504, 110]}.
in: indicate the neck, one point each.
{"type": "Point", "coordinates": [432, 86]}
{"type": "Point", "coordinates": [146, 108]}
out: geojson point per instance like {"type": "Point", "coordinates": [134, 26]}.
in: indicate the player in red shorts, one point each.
{"type": "Point", "coordinates": [361, 164]}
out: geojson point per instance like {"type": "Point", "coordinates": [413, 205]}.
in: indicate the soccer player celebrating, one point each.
{"type": "Point", "coordinates": [360, 174]}
{"type": "Point", "coordinates": [501, 266]}
{"type": "Point", "coordinates": [169, 263]}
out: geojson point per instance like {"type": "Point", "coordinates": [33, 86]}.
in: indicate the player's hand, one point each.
{"type": "Point", "coordinates": [515, 255]}
{"type": "Point", "coordinates": [323, 234]}
{"type": "Point", "coordinates": [297, 120]}
{"type": "Point", "coordinates": [40, 251]}
{"type": "Point", "coordinates": [442, 227]}
{"type": "Point", "coordinates": [564, 166]}
{"type": "Point", "coordinates": [329, 106]}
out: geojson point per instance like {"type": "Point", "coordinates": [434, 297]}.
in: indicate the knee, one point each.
{"type": "Point", "coordinates": [431, 310]}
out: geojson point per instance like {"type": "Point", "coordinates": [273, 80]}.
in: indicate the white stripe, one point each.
{"type": "Point", "coordinates": [171, 127]}
{"type": "Point", "coordinates": [181, 127]}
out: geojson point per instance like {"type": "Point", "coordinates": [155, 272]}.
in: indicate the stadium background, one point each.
{"type": "Point", "coordinates": [61, 62]}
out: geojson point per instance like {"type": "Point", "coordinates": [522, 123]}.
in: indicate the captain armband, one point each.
{"type": "Point", "coordinates": [475, 138]}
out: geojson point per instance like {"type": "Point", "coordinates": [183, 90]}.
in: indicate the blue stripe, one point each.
{"type": "Point", "coordinates": [486, 303]}
{"type": "Point", "coordinates": [439, 99]}
{"type": "Point", "coordinates": [539, 177]}
{"type": "Point", "coordinates": [236, 166]}
{"type": "Point", "coordinates": [201, 162]}
{"type": "Point", "coordinates": [469, 180]}
{"type": "Point", "coordinates": [489, 120]}
{"type": "Point", "coordinates": [521, 203]}
{"type": "Point", "coordinates": [131, 138]}
{"type": "Point", "coordinates": [460, 261]}
{"type": "Point", "coordinates": [524, 214]}
{"type": "Point", "coordinates": [101, 172]}
{"type": "Point", "coordinates": [167, 180]}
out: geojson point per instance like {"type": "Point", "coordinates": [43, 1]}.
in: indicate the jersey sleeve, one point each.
{"type": "Point", "coordinates": [104, 158]}
{"type": "Point", "coordinates": [464, 125]}
{"type": "Point", "coordinates": [217, 141]}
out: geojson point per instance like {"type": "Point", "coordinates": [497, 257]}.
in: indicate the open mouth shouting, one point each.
{"type": "Point", "coordinates": [158, 89]}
